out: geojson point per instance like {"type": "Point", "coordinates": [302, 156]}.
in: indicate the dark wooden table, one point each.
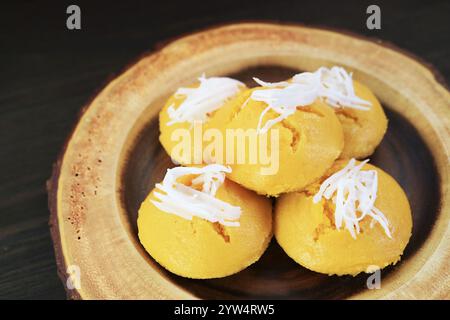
{"type": "Point", "coordinates": [48, 72]}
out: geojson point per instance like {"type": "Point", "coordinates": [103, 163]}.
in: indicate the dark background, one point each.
{"type": "Point", "coordinates": [48, 72]}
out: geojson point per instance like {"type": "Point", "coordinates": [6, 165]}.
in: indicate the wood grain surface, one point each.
{"type": "Point", "coordinates": [50, 72]}
{"type": "Point", "coordinates": [92, 184]}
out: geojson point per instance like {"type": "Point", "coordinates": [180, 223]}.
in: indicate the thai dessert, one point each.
{"type": "Point", "coordinates": [301, 146]}
{"type": "Point", "coordinates": [296, 140]}
{"type": "Point", "coordinates": [190, 109]}
{"type": "Point", "coordinates": [359, 111]}
{"type": "Point", "coordinates": [198, 224]}
{"type": "Point", "coordinates": [355, 219]}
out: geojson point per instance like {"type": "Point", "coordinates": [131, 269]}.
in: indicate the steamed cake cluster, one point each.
{"type": "Point", "coordinates": [315, 141]}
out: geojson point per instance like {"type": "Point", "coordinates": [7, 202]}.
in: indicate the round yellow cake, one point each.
{"type": "Point", "coordinates": [309, 141]}
{"type": "Point", "coordinates": [363, 129]}
{"type": "Point", "coordinates": [170, 134]}
{"type": "Point", "coordinates": [307, 233]}
{"type": "Point", "coordinates": [200, 249]}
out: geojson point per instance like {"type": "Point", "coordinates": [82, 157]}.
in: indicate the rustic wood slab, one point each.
{"type": "Point", "coordinates": [113, 157]}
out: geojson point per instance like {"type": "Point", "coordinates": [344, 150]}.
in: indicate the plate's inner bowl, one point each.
{"type": "Point", "coordinates": [403, 154]}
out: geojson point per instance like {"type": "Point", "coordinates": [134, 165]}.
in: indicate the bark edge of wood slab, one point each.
{"type": "Point", "coordinates": [90, 219]}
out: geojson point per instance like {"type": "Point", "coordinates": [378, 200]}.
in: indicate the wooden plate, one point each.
{"type": "Point", "coordinates": [113, 158]}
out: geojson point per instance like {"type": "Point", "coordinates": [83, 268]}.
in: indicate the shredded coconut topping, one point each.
{"type": "Point", "coordinates": [206, 98]}
{"type": "Point", "coordinates": [353, 191]}
{"type": "Point", "coordinates": [187, 202]}
{"type": "Point", "coordinates": [334, 86]}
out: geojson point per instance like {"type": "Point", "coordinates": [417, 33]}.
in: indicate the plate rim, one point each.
{"type": "Point", "coordinates": [52, 183]}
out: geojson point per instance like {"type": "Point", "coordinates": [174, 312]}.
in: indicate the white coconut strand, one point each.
{"type": "Point", "coordinates": [334, 86]}
{"type": "Point", "coordinates": [270, 84]}
{"type": "Point", "coordinates": [353, 191]}
{"type": "Point", "coordinates": [187, 202]}
{"type": "Point", "coordinates": [209, 96]}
